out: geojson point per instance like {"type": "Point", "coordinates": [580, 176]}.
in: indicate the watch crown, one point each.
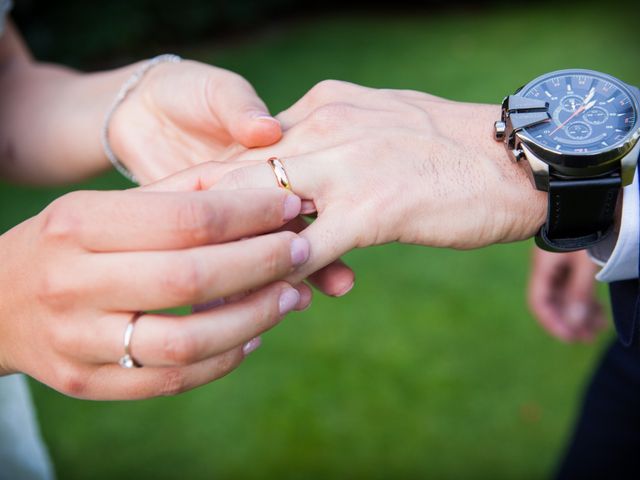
{"type": "Point", "coordinates": [500, 128]}
{"type": "Point", "coordinates": [518, 154]}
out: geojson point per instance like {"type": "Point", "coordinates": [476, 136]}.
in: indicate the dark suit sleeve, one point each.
{"type": "Point", "coordinates": [625, 303]}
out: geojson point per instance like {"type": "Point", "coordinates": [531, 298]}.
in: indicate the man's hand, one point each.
{"type": "Point", "coordinates": [387, 165]}
{"type": "Point", "coordinates": [562, 295]}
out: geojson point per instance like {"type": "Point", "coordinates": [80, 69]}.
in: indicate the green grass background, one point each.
{"type": "Point", "coordinates": [432, 367]}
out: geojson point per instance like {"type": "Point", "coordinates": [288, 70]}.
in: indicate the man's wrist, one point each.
{"type": "Point", "coordinates": [520, 208]}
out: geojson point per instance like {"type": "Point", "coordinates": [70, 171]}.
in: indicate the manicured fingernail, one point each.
{"type": "Point", "coordinates": [307, 207]}
{"type": "Point", "coordinates": [292, 205]}
{"type": "Point", "coordinates": [288, 300]}
{"type": "Point", "coordinates": [251, 345]}
{"type": "Point", "coordinates": [346, 290]}
{"type": "Point", "coordinates": [265, 116]}
{"type": "Point", "coordinates": [299, 251]}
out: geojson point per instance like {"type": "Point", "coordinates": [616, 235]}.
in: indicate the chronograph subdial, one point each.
{"type": "Point", "coordinates": [570, 103]}
{"type": "Point", "coordinates": [578, 130]}
{"type": "Point", "coordinates": [596, 116]}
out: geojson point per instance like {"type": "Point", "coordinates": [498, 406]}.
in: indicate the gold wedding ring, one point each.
{"type": "Point", "coordinates": [280, 173]}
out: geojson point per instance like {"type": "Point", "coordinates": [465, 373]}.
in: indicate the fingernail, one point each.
{"type": "Point", "coordinates": [307, 207]}
{"type": "Point", "coordinates": [265, 116]}
{"type": "Point", "coordinates": [292, 205]}
{"type": "Point", "coordinates": [288, 300]}
{"type": "Point", "coordinates": [347, 290]}
{"type": "Point", "coordinates": [299, 251]}
{"type": "Point", "coordinates": [305, 300]}
{"type": "Point", "coordinates": [251, 345]}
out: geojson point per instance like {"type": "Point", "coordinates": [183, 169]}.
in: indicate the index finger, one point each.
{"type": "Point", "coordinates": [148, 220]}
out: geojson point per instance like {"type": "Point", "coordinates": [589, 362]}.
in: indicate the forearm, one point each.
{"type": "Point", "coordinates": [51, 117]}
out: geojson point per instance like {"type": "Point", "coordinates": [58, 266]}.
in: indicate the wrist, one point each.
{"type": "Point", "coordinates": [520, 208]}
{"type": "Point", "coordinates": [474, 194]}
{"type": "Point", "coordinates": [100, 90]}
{"type": "Point", "coordinates": [64, 110]}
{"type": "Point", "coordinates": [119, 117]}
{"type": "Point", "coordinates": [524, 208]}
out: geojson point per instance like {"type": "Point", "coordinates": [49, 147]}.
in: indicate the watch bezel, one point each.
{"type": "Point", "coordinates": [601, 160]}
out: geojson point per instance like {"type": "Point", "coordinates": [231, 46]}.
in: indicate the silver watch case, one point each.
{"type": "Point", "coordinates": [519, 112]}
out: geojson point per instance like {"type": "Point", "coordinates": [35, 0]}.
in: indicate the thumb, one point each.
{"type": "Point", "coordinates": [243, 113]}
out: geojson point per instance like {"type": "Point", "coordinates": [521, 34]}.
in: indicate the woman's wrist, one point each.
{"type": "Point", "coordinates": [97, 92]}
{"type": "Point", "coordinates": [64, 110]}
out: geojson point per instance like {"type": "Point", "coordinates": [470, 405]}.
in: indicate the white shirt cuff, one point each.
{"type": "Point", "coordinates": [618, 256]}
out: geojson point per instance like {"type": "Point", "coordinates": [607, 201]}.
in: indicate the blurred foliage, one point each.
{"type": "Point", "coordinates": [89, 33]}
{"type": "Point", "coordinates": [432, 367]}
{"type": "Point", "coordinates": [78, 31]}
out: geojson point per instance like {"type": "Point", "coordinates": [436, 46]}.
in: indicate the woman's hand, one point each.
{"type": "Point", "coordinates": [562, 295]}
{"type": "Point", "coordinates": [385, 165]}
{"type": "Point", "coordinates": [178, 115]}
{"type": "Point", "coordinates": [74, 275]}
{"type": "Point", "coordinates": [183, 114]}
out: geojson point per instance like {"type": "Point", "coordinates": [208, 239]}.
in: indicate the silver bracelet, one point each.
{"type": "Point", "coordinates": [131, 83]}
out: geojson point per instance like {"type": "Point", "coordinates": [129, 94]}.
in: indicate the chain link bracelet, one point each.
{"type": "Point", "coordinates": [130, 84]}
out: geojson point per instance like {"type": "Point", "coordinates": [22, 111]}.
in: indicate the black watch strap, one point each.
{"type": "Point", "coordinates": [581, 213]}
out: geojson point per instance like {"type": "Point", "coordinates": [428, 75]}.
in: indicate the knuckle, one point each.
{"type": "Point", "coordinates": [264, 312]}
{"type": "Point", "coordinates": [180, 347]}
{"type": "Point", "coordinates": [214, 81]}
{"type": "Point", "coordinates": [330, 115]}
{"type": "Point", "coordinates": [173, 381]}
{"type": "Point", "coordinates": [60, 220]}
{"type": "Point", "coordinates": [235, 179]}
{"type": "Point", "coordinates": [72, 381]}
{"type": "Point", "coordinates": [324, 88]}
{"type": "Point", "coordinates": [276, 257]}
{"type": "Point", "coordinates": [228, 361]}
{"type": "Point", "coordinates": [196, 221]}
{"type": "Point", "coordinates": [272, 263]}
{"type": "Point", "coordinates": [55, 290]}
{"type": "Point", "coordinates": [229, 78]}
{"type": "Point", "coordinates": [62, 338]}
{"type": "Point", "coordinates": [183, 280]}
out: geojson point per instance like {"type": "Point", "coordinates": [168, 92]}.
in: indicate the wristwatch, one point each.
{"type": "Point", "coordinates": [577, 133]}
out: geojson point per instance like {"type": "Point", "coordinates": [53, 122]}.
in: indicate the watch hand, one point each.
{"type": "Point", "coordinates": [589, 105]}
{"type": "Point", "coordinates": [589, 96]}
{"type": "Point", "coordinates": [577, 112]}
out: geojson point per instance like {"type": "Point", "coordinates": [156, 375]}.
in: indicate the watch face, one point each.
{"type": "Point", "coordinates": [590, 112]}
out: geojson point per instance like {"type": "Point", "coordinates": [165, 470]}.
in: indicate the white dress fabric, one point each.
{"type": "Point", "coordinates": [23, 455]}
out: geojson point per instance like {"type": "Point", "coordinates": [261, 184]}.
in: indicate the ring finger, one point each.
{"type": "Point", "coordinates": [167, 340]}
{"type": "Point", "coordinates": [112, 382]}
